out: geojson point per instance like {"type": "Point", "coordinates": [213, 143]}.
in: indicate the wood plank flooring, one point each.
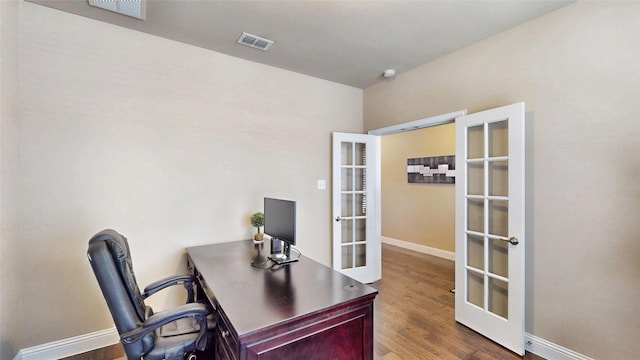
{"type": "Point", "coordinates": [113, 352]}
{"type": "Point", "coordinates": [414, 312]}
{"type": "Point", "coordinates": [414, 315]}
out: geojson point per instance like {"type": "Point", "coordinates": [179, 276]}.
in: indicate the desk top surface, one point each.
{"type": "Point", "coordinates": [253, 298]}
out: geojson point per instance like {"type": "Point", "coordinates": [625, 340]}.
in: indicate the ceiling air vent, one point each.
{"type": "Point", "coordinates": [255, 42]}
{"type": "Point", "coordinates": [133, 8]}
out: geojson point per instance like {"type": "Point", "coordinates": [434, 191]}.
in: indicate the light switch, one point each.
{"type": "Point", "coordinates": [322, 184]}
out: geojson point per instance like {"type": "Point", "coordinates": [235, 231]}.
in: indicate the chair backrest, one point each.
{"type": "Point", "coordinates": [110, 259]}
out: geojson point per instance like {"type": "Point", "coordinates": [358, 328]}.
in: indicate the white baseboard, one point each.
{"type": "Point", "coordinates": [420, 248]}
{"type": "Point", "coordinates": [549, 350]}
{"type": "Point", "coordinates": [71, 346]}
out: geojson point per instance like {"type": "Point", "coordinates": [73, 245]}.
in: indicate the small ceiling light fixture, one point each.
{"type": "Point", "coordinates": [389, 73]}
{"type": "Point", "coordinates": [133, 8]}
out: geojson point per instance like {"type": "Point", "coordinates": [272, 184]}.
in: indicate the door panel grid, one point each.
{"type": "Point", "coordinates": [354, 206]}
{"type": "Point", "coordinates": [487, 216]}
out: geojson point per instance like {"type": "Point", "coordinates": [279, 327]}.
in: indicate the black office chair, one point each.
{"type": "Point", "coordinates": [170, 334]}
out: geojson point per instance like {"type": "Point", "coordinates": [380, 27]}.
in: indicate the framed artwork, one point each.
{"type": "Point", "coordinates": [432, 170]}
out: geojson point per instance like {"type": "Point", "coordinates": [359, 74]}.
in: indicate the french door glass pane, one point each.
{"type": "Point", "coordinates": [346, 153]}
{"type": "Point", "coordinates": [347, 257]}
{"type": "Point", "coordinates": [347, 205]}
{"type": "Point", "coordinates": [360, 179]}
{"type": "Point", "coordinates": [475, 251]}
{"type": "Point", "coordinates": [475, 288]}
{"type": "Point", "coordinates": [361, 255]}
{"type": "Point", "coordinates": [475, 142]}
{"type": "Point", "coordinates": [347, 179]}
{"type": "Point", "coordinates": [360, 230]}
{"type": "Point", "coordinates": [498, 139]}
{"type": "Point", "coordinates": [359, 205]}
{"type": "Point", "coordinates": [346, 230]}
{"type": "Point", "coordinates": [499, 178]}
{"type": "Point", "coordinates": [361, 154]}
{"type": "Point", "coordinates": [475, 215]}
{"type": "Point", "coordinates": [499, 257]}
{"type": "Point", "coordinates": [498, 298]}
{"type": "Point", "coordinates": [475, 178]}
{"type": "Point", "coordinates": [499, 218]}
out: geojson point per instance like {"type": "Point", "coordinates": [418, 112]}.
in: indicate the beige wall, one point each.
{"type": "Point", "coordinates": [418, 213]}
{"type": "Point", "coordinates": [9, 283]}
{"type": "Point", "coordinates": [578, 71]}
{"type": "Point", "coordinates": [170, 144]}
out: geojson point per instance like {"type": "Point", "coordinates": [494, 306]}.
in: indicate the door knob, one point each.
{"type": "Point", "coordinates": [338, 218]}
{"type": "Point", "coordinates": [512, 240]}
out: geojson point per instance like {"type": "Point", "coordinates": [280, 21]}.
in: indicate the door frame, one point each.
{"type": "Point", "coordinates": [419, 124]}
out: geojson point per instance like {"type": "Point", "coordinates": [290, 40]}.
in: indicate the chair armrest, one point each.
{"type": "Point", "coordinates": [161, 318]}
{"type": "Point", "coordinates": [156, 286]}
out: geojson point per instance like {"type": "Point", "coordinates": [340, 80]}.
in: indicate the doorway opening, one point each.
{"type": "Point", "coordinates": [433, 234]}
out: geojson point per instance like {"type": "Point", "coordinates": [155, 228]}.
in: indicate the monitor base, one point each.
{"type": "Point", "coordinates": [281, 259]}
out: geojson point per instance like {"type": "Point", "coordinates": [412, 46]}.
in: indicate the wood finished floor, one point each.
{"type": "Point", "coordinates": [112, 352]}
{"type": "Point", "coordinates": [414, 312]}
{"type": "Point", "coordinates": [414, 315]}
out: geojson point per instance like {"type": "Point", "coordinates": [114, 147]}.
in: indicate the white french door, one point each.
{"type": "Point", "coordinates": [356, 239]}
{"type": "Point", "coordinates": [490, 224]}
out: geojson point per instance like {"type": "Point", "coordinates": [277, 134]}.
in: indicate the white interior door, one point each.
{"type": "Point", "coordinates": [490, 224]}
{"type": "Point", "coordinates": [356, 243]}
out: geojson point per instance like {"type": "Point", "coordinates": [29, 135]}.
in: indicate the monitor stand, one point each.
{"type": "Point", "coordinates": [284, 257]}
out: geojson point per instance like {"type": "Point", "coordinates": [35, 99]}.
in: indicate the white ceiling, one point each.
{"type": "Point", "coordinates": [349, 42]}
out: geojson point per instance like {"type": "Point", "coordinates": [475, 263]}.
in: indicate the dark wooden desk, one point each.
{"type": "Point", "coordinates": [303, 310]}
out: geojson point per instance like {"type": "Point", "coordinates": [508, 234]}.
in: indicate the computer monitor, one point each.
{"type": "Point", "coordinates": [280, 224]}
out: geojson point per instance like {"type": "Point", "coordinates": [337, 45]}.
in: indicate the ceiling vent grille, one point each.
{"type": "Point", "coordinates": [255, 42]}
{"type": "Point", "coordinates": [133, 8]}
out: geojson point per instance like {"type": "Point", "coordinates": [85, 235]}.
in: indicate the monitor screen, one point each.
{"type": "Point", "coordinates": [280, 219]}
